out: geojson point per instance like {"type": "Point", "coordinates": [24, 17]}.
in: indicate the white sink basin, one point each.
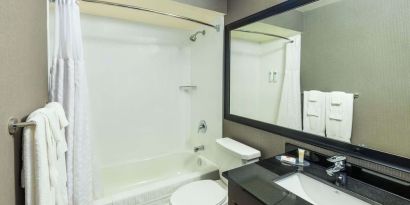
{"type": "Point", "coordinates": [316, 192]}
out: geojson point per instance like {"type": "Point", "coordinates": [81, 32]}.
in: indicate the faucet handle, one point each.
{"type": "Point", "coordinates": [202, 127]}
{"type": "Point", "coordinates": [336, 158]}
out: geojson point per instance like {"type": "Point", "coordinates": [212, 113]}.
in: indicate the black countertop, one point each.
{"type": "Point", "coordinates": [258, 180]}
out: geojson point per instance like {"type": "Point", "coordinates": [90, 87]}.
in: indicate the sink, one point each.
{"type": "Point", "coordinates": [316, 192]}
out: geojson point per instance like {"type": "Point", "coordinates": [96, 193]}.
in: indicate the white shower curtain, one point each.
{"type": "Point", "coordinates": [68, 86]}
{"type": "Point", "coordinates": [289, 113]}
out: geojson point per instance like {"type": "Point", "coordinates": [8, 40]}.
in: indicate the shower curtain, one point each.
{"type": "Point", "coordinates": [68, 86]}
{"type": "Point", "coordinates": [289, 113]}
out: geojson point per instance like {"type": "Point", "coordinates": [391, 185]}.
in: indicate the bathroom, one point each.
{"type": "Point", "coordinates": [181, 102]}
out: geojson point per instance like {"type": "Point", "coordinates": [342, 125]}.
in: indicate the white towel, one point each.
{"type": "Point", "coordinates": [58, 122]}
{"type": "Point", "coordinates": [44, 146]}
{"type": "Point", "coordinates": [314, 112]}
{"type": "Point", "coordinates": [339, 116]}
{"type": "Point", "coordinates": [336, 98]}
{"type": "Point", "coordinates": [35, 171]}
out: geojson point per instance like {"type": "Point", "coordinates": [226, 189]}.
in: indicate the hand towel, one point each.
{"type": "Point", "coordinates": [314, 112]}
{"type": "Point", "coordinates": [339, 116]}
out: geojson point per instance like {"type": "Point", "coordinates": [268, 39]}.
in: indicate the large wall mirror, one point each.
{"type": "Point", "coordinates": [336, 69]}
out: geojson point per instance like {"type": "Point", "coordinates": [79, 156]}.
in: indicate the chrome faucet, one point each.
{"type": "Point", "coordinates": [199, 148]}
{"type": "Point", "coordinates": [339, 168]}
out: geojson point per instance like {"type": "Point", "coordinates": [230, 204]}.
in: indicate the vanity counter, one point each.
{"type": "Point", "coordinates": [258, 180]}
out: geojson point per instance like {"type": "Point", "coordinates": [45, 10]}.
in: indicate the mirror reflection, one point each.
{"type": "Point", "coordinates": [334, 68]}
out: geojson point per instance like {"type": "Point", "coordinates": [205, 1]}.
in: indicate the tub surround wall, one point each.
{"type": "Point", "coordinates": [253, 94]}
{"type": "Point", "coordinates": [134, 72]}
{"type": "Point", "coordinates": [206, 99]}
{"type": "Point", "coordinates": [23, 84]}
{"type": "Point", "coordinates": [140, 118]}
{"type": "Point", "coordinates": [138, 110]}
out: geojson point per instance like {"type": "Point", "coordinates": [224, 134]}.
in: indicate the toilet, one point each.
{"type": "Point", "coordinates": [210, 192]}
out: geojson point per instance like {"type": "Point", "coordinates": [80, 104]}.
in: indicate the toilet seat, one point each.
{"type": "Point", "coordinates": [203, 192]}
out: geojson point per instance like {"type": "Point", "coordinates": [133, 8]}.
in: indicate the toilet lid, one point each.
{"type": "Point", "coordinates": [204, 192]}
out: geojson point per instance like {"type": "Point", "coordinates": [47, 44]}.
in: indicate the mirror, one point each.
{"type": "Point", "coordinates": [338, 69]}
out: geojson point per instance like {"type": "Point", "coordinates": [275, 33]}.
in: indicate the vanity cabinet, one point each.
{"type": "Point", "coordinates": [238, 196]}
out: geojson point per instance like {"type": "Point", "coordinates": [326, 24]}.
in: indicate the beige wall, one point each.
{"type": "Point", "coordinates": [374, 64]}
{"type": "Point", "coordinates": [23, 82]}
{"type": "Point", "coordinates": [238, 9]}
{"type": "Point", "coordinates": [214, 5]}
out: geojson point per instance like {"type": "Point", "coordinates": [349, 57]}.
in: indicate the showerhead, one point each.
{"type": "Point", "coordinates": [193, 36]}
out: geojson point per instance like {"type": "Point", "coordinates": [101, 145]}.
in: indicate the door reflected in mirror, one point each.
{"type": "Point", "coordinates": [334, 68]}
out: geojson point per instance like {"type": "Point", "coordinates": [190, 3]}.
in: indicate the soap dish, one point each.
{"type": "Point", "coordinates": [298, 164]}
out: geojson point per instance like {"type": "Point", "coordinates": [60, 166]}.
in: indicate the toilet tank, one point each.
{"type": "Point", "coordinates": [235, 155]}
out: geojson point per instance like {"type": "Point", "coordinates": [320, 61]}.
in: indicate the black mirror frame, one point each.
{"type": "Point", "coordinates": [374, 156]}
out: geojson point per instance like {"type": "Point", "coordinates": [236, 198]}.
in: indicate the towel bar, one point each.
{"type": "Point", "coordinates": [355, 95]}
{"type": "Point", "coordinates": [14, 124]}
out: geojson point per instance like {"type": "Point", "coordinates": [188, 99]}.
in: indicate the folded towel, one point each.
{"type": "Point", "coordinates": [314, 112]}
{"type": "Point", "coordinates": [335, 116]}
{"type": "Point", "coordinates": [313, 108]}
{"type": "Point", "coordinates": [314, 95]}
{"type": "Point", "coordinates": [339, 116]}
{"type": "Point", "coordinates": [336, 97]}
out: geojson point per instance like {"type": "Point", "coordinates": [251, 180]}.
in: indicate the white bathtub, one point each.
{"type": "Point", "coordinates": [152, 181]}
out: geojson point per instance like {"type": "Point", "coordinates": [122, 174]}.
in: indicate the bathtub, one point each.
{"type": "Point", "coordinates": [152, 181]}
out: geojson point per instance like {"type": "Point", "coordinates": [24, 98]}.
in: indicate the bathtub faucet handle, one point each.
{"type": "Point", "coordinates": [202, 127]}
{"type": "Point", "coordinates": [199, 148]}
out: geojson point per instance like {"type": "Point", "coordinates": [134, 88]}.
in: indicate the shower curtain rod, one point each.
{"type": "Point", "coordinates": [266, 34]}
{"type": "Point", "coordinates": [216, 27]}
